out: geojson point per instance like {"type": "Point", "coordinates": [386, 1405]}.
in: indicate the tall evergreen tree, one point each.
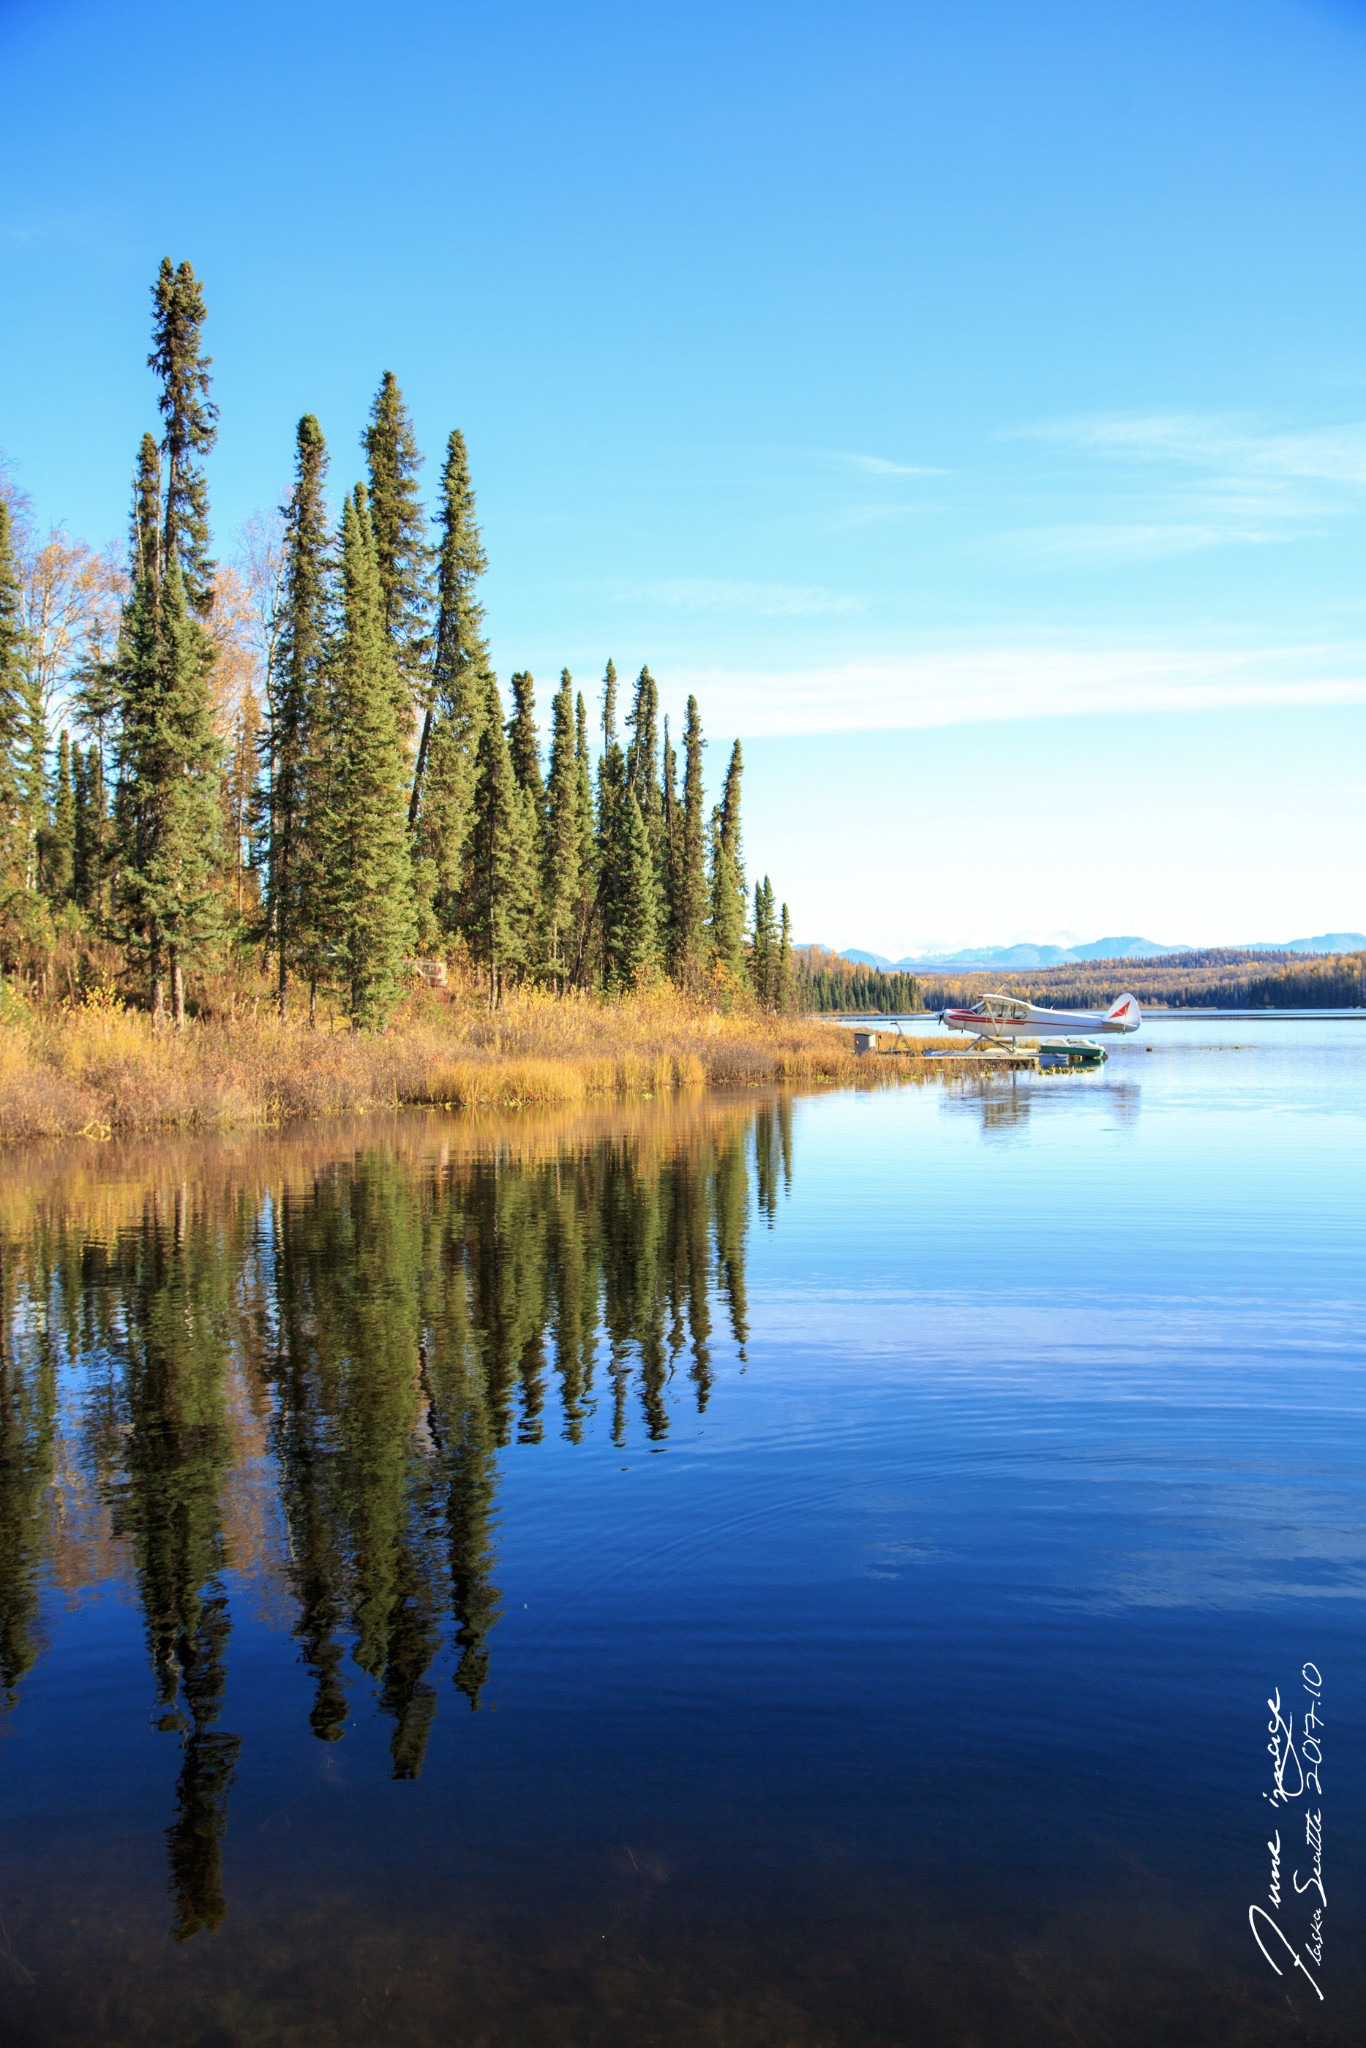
{"type": "Point", "coordinates": [562, 877]}
{"type": "Point", "coordinates": [59, 840]}
{"type": "Point", "coordinates": [613, 837]}
{"type": "Point", "coordinates": [634, 950]}
{"type": "Point", "coordinates": [727, 924]}
{"type": "Point", "coordinates": [299, 852]}
{"type": "Point", "coordinates": [501, 889]}
{"type": "Point", "coordinates": [609, 705]}
{"type": "Point", "coordinates": [136, 666]}
{"type": "Point", "coordinates": [87, 782]}
{"type": "Point", "coordinates": [399, 522]}
{"type": "Point", "coordinates": [671, 847]}
{"type": "Point", "coordinates": [764, 946]}
{"type": "Point", "coordinates": [376, 909]}
{"type": "Point", "coordinates": [168, 765]}
{"type": "Point", "coordinates": [441, 805]}
{"type": "Point", "coordinates": [588, 846]}
{"type": "Point", "coordinates": [642, 756]}
{"type": "Point", "coordinates": [784, 999]}
{"type": "Point", "coordinates": [191, 426]}
{"type": "Point", "coordinates": [96, 702]}
{"type": "Point", "coordinates": [688, 960]}
{"type": "Point", "coordinates": [170, 909]}
{"type": "Point", "coordinates": [524, 742]}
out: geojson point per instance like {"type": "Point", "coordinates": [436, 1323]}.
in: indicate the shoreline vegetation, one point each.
{"type": "Point", "coordinates": [97, 1069]}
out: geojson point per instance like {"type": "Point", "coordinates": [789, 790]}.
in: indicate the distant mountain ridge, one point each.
{"type": "Point", "coordinates": [1097, 949]}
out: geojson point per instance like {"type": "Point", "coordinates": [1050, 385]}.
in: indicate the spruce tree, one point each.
{"type": "Point", "coordinates": [169, 772]}
{"type": "Point", "coordinates": [634, 950]}
{"type": "Point", "coordinates": [764, 946]}
{"type": "Point", "coordinates": [80, 829]}
{"type": "Point", "coordinates": [441, 805]}
{"type": "Point", "coordinates": [59, 841]}
{"type": "Point", "coordinates": [501, 885]}
{"type": "Point", "coordinates": [137, 683]}
{"type": "Point", "coordinates": [784, 994]}
{"type": "Point", "coordinates": [613, 842]}
{"type": "Point", "coordinates": [298, 734]}
{"type": "Point", "coordinates": [96, 703]}
{"type": "Point", "coordinates": [85, 826]}
{"type": "Point", "coordinates": [524, 742]}
{"type": "Point", "coordinates": [399, 524]}
{"type": "Point", "coordinates": [178, 770]}
{"type": "Point", "coordinates": [671, 849]}
{"type": "Point", "coordinates": [688, 962]}
{"type": "Point", "coordinates": [642, 756]}
{"type": "Point", "coordinates": [191, 426]}
{"type": "Point", "coordinates": [376, 910]}
{"type": "Point", "coordinates": [588, 845]}
{"type": "Point", "coordinates": [727, 922]}
{"type": "Point", "coordinates": [562, 877]}
{"type": "Point", "coordinates": [167, 803]}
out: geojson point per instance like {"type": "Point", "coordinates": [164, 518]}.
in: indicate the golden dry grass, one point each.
{"type": "Point", "coordinates": [97, 1068]}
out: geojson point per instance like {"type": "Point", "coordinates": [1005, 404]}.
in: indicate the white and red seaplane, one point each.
{"type": "Point", "coordinates": [997, 1020]}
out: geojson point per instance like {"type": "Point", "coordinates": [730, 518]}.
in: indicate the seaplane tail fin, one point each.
{"type": "Point", "coordinates": [1125, 1012]}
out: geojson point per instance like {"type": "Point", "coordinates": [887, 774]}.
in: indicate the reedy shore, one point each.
{"type": "Point", "coordinates": [93, 1069]}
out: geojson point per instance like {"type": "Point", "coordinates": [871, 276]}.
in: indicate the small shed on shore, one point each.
{"type": "Point", "coordinates": [865, 1041]}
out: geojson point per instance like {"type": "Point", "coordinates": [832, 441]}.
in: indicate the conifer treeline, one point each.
{"type": "Point", "coordinates": [825, 981]}
{"type": "Point", "coordinates": [389, 806]}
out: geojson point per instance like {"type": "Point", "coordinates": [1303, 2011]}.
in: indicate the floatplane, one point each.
{"type": "Point", "coordinates": [999, 1021]}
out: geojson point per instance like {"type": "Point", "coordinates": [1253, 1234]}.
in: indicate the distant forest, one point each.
{"type": "Point", "coordinates": [825, 981]}
{"type": "Point", "coordinates": [1221, 978]}
{"type": "Point", "coordinates": [1227, 978]}
{"type": "Point", "coordinates": [297, 767]}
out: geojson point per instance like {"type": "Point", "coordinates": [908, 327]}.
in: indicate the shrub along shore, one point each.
{"type": "Point", "coordinates": [96, 1069]}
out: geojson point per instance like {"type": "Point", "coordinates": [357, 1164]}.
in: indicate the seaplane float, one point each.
{"type": "Point", "coordinates": [1000, 1021]}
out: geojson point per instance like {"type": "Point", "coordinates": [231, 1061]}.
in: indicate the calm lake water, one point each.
{"type": "Point", "coordinates": [798, 1573]}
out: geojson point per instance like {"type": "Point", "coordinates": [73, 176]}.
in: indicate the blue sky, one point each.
{"type": "Point", "coordinates": [969, 403]}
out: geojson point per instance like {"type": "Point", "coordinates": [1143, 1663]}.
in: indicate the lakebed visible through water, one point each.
{"type": "Point", "coordinates": [737, 1570]}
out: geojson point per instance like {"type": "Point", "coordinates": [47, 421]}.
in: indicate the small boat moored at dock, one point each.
{"type": "Point", "coordinates": [1070, 1054]}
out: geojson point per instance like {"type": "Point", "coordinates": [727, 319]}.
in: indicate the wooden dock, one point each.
{"type": "Point", "coordinates": [901, 1046]}
{"type": "Point", "coordinates": [872, 1041]}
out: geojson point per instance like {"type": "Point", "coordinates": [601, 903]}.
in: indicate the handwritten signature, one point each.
{"type": "Point", "coordinates": [1296, 1762]}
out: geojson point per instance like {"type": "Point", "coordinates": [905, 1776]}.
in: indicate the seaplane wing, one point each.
{"type": "Point", "coordinates": [994, 1016]}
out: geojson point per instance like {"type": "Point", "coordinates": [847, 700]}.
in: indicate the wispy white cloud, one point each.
{"type": "Point", "coordinates": [719, 594]}
{"type": "Point", "coordinates": [882, 465]}
{"type": "Point", "coordinates": [1130, 541]}
{"type": "Point", "coordinates": [1234, 447]}
{"type": "Point", "coordinates": [1192, 481]}
{"type": "Point", "coordinates": [958, 686]}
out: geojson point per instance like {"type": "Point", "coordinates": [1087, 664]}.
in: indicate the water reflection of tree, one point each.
{"type": "Point", "coordinates": [398, 1319]}
{"type": "Point", "coordinates": [28, 1401]}
{"type": "Point", "coordinates": [176, 1276]}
